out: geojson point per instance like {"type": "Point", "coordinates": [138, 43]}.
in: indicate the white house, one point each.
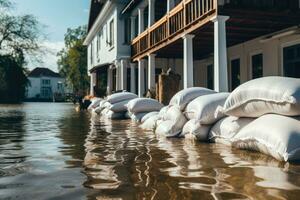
{"type": "Point", "coordinates": [217, 44]}
{"type": "Point", "coordinates": [45, 84]}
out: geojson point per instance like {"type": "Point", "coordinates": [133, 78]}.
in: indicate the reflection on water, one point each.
{"type": "Point", "coordinates": [48, 151]}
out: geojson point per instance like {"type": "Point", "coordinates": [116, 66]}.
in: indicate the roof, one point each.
{"type": "Point", "coordinates": [132, 4]}
{"type": "Point", "coordinates": [40, 71]}
{"type": "Point", "coordinates": [95, 8]}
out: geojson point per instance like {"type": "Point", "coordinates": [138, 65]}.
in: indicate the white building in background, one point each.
{"type": "Point", "coordinates": [45, 85]}
{"type": "Point", "coordinates": [218, 44]}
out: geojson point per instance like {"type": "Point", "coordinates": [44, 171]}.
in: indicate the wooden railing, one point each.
{"type": "Point", "coordinates": [179, 19]}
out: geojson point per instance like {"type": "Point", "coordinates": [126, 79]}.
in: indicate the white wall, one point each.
{"type": "Point", "coordinates": [36, 82]}
{"type": "Point", "coordinates": [109, 54]}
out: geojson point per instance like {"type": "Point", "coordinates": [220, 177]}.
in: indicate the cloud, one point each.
{"type": "Point", "coordinates": [48, 58]}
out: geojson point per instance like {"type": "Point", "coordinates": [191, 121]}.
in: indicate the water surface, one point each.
{"type": "Point", "coordinates": [49, 151]}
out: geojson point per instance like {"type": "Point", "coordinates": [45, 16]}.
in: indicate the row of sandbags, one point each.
{"type": "Point", "coordinates": [260, 115]}
{"type": "Point", "coordinates": [125, 105]}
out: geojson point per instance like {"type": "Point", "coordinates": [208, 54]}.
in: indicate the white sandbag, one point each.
{"type": "Point", "coordinates": [113, 115]}
{"type": "Point", "coordinates": [94, 103]}
{"type": "Point", "coordinates": [137, 117]}
{"type": "Point", "coordinates": [118, 107]}
{"type": "Point", "coordinates": [139, 105]}
{"type": "Point", "coordinates": [148, 115]}
{"type": "Point", "coordinates": [203, 108]}
{"type": "Point", "coordinates": [185, 96]}
{"type": "Point", "coordinates": [122, 96]}
{"type": "Point", "coordinates": [172, 124]}
{"type": "Point", "coordinates": [150, 123]}
{"type": "Point", "coordinates": [225, 129]}
{"type": "Point", "coordinates": [98, 110]}
{"type": "Point", "coordinates": [271, 134]}
{"type": "Point", "coordinates": [194, 129]}
{"type": "Point", "coordinates": [279, 95]}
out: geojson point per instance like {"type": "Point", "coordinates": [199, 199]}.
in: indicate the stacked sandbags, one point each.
{"type": "Point", "coordinates": [94, 103]}
{"type": "Point", "coordinates": [114, 106]}
{"type": "Point", "coordinates": [152, 121]}
{"type": "Point", "coordinates": [271, 102]}
{"type": "Point", "coordinates": [172, 122]}
{"type": "Point", "coordinates": [140, 107]}
{"type": "Point", "coordinates": [201, 115]}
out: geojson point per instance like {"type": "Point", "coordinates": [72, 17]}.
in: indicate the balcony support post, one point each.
{"type": "Point", "coordinates": [151, 71]}
{"type": "Point", "coordinates": [141, 78]}
{"type": "Point", "coordinates": [151, 12]}
{"type": "Point", "coordinates": [220, 54]}
{"type": "Point", "coordinates": [109, 80]}
{"type": "Point", "coordinates": [132, 78]}
{"type": "Point", "coordinates": [170, 5]}
{"type": "Point", "coordinates": [141, 20]}
{"type": "Point", "coordinates": [93, 76]}
{"type": "Point", "coordinates": [132, 27]}
{"type": "Point", "coordinates": [123, 70]}
{"type": "Point", "coordinates": [188, 61]}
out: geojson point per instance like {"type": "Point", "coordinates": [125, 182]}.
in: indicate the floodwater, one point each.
{"type": "Point", "coordinates": [49, 151]}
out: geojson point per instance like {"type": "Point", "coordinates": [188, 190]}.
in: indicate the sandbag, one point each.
{"type": "Point", "coordinates": [203, 108]}
{"type": "Point", "coordinates": [194, 129]}
{"type": "Point", "coordinates": [150, 123]}
{"type": "Point", "coordinates": [278, 95]}
{"type": "Point", "coordinates": [94, 103]}
{"type": "Point", "coordinates": [113, 115]}
{"type": "Point", "coordinates": [173, 122]}
{"type": "Point", "coordinates": [122, 96]}
{"type": "Point", "coordinates": [139, 105]}
{"type": "Point", "coordinates": [148, 115]}
{"type": "Point", "coordinates": [271, 134]}
{"type": "Point", "coordinates": [137, 117]}
{"type": "Point", "coordinates": [118, 107]}
{"type": "Point", "coordinates": [185, 96]}
{"type": "Point", "coordinates": [98, 110]}
{"type": "Point", "coordinates": [225, 129]}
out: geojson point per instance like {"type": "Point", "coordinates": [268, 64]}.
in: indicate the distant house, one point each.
{"type": "Point", "coordinates": [45, 85]}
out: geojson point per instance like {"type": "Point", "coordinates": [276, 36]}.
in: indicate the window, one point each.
{"type": "Point", "coordinates": [46, 92]}
{"type": "Point", "coordinates": [291, 61]}
{"type": "Point", "coordinates": [111, 33]}
{"type": "Point", "coordinates": [46, 81]}
{"type": "Point", "coordinates": [257, 66]}
{"type": "Point", "coordinates": [235, 74]}
{"type": "Point", "coordinates": [127, 31]}
{"type": "Point", "coordinates": [210, 77]}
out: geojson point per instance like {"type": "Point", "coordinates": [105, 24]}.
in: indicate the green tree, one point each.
{"type": "Point", "coordinates": [19, 36]}
{"type": "Point", "coordinates": [72, 62]}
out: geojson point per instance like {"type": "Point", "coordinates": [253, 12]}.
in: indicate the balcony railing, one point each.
{"type": "Point", "coordinates": [181, 18]}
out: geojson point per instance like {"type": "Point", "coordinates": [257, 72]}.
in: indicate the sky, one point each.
{"type": "Point", "coordinates": [56, 16]}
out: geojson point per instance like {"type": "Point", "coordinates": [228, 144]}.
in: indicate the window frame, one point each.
{"type": "Point", "coordinates": [284, 45]}
{"type": "Point", "coordinates": [255, 53]}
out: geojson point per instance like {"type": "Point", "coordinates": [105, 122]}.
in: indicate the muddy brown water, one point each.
{"type": "Point", "coordinates": [49, 151]}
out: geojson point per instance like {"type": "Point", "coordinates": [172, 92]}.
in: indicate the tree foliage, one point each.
{"type": "Point", "coordinates": [72, 62]}
{"type": "Point", "coordinates": [19, 36]}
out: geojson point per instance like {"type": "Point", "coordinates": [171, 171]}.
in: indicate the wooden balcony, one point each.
{"type": "Point", "coordinates": [184, 18]}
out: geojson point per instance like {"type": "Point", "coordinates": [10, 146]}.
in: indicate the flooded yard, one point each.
{"type": "Point", "coordinates": [49, 151]}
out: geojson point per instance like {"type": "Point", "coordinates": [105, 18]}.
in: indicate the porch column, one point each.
{"type": "Point", "coordinates": [170, 5]}
{"type": "Point", "coordinates": [220, 54]}
{"type": "Point", "coordinates": [109, 81]}
{"type": "Point", "coordinates": [118, 75]}
{"type": "Point", "coordinates": [92, 83]}
{"type": "Point", "coordinates": [132, 78]}
{"type": "Point", "coordinates": [188, 61]}
{"type": "Point", "coordinates": [141, 66]}
{"type": "Point", "coordinates": [141, 19]}
{"type": "Point", "coordinates": [123, 73]}
{"type": "Point", "coordinates": [151, 12]}
{"type": "Point", "coordinates": [132, 27]}
{"type": "Point", "coordinates": [151, 71]}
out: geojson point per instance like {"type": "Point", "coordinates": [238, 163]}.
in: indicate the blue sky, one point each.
{"type": "Point", "coordinates": [57, 16]}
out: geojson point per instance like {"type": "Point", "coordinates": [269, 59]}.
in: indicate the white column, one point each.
{"type": "Point", "coordinates": [220, 54]}
{"type": "Point", "coordinates": [141, 66]}
{"type": "Point", "coordinates": [132, 78]}
{"type": "Point", "coordinates": [170, 5]}
{"type": "Point", "coordinates": [109, 81]}
{"type": "Point", "coordinates": [118, 75]}
{"type": "Point", "coordinates": [92, 83]}
{"type": "Point", "coordinates": [123, 73]}
{"type": "Point", "coordinates": [151, 12]}
{"type": "Point", "coordinates": [188, 61]}
{"type": "Point", "coordinates": [141, 20]}
{"type": "Point", "coordinates": [151, 71]}
{"type": "Point", "coordinates": [132, 26]}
